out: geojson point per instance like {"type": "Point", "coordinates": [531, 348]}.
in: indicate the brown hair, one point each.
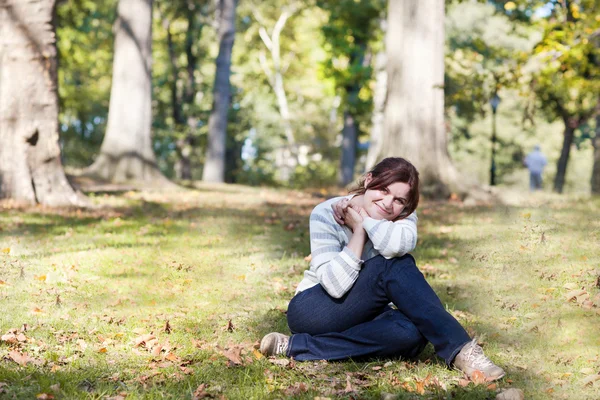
{"type": "Point", "coordinates": [391, 170]}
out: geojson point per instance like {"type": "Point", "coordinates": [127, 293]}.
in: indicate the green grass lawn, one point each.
{"type": "Point", "coordinates": [166, 295]}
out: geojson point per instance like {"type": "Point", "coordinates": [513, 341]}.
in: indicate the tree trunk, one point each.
{"type": "Point", "coordinates": [561, 166]}
{"type": "Point", "coordinates": [596, 167]}
{"type": "Point", "coordinates": [214, 167]}
{"type": "Point", "coordinates": [414, 114]}
{"type": "Point", "coordinates": [378, 118]}
{"type": "Point", "coordinates": [126, 153]}
{"type": "Point", "coordinates": [30, 166]}
{"type": "Point", "coordinates": [348, 158]}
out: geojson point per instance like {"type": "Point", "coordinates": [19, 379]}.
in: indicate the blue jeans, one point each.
{"type": "Point", "coordinates": [535, 181]}
{"type": "Point", "coordinates": [361, 324]}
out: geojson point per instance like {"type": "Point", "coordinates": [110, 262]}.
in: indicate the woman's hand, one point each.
{"type": "Point", "coordinates": [353, 217]}
{"type": "Point", "coordinates": [339, 210]}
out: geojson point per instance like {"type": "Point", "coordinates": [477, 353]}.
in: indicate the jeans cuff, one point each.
{"type": "Point", "coordinates": [289, 348]}
{"type": "Point", "coordinates": [454, 353]}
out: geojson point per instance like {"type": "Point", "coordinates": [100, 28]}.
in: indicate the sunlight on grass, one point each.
{"type": "Point", "coordinates": [202, 274]}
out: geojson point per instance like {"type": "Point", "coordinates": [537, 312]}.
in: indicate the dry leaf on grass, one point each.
{"type": "Point", "coordinates": [234, 355]}
{"type": "Point", "coordinates": [590, 379]}
{"type": "Point", "coordinates": [20, 358]}
{"type": "Point", "coordinates": [200, 392]}
{"type": "Point", "coordinates": [143, 339]}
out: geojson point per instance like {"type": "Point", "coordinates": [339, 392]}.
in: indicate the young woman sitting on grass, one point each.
{"type": "Point", "coordinates": [360, 264]}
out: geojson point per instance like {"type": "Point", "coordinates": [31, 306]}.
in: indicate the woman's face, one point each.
{"type": "Point", "coordinates": [386, 203]}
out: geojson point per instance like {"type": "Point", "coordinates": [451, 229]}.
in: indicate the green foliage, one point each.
{"type": "Point", "coordinates": [85, 46]}
{"type": "Point", "coordinates": [352, 34]}
{"type": "Point", "coordinates": [567, 63]}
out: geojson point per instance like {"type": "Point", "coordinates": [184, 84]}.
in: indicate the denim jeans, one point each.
{"type": "Point", "coordinates": [361, 324]}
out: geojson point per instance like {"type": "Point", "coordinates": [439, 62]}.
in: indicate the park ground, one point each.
{"type": "Point", "coordinates": [166, 295]}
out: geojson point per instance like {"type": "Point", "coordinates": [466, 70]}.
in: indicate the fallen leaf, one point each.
{"type": "Point", "coordinates": [377, 368]}
{"type": "Point", "coordinates": [168, 327]}
{"type": "Point", "coordinates": [574, 294]}
{"type": "Point", "coordinates": [41, 278]}
{"type": "Point", "coordinates": [44, 396]}
{"type": "Point", "coordinates": [282, 362]}
{"type": "Point", "coordinates": [6, 250]}
{"type": "Point", "coordinates": [296, 389]}
{"type": "Point", "coordinates": [257, 354]}
{"type": "Point", "coordinates": [102, 350]}
{"type": "Point", "coordinates": [234, 354]}
{"type": "Point", "coordinates": [478, 377]}
{"type": "Point", "coordinates": [9, 338]}
{"type": "Point", "coordinates": [143, 339]}
{"type": "Point", "coordinates": [590, 379]}
{"type": "Point", "coordinates": [349, 388]}
{"type": "Point", "coordinates": [20, 358]}
{"type": "Point", "coordinates": [587, 371]}
{"type": "Point", "coordinates": [200, 392]}
{"type": "Point", "coordinates": [463, 382]}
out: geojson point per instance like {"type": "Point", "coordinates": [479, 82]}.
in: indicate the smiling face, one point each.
{"type": "Point", "coordinates": [387, 202]}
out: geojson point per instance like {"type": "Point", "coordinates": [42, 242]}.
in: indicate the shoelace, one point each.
{"type": "Point", "coordinates": [476, 356]}
{"type": "Point", "coordinates": [281, 346]}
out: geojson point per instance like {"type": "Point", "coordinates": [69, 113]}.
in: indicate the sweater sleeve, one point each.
{"type": "Point", "coordinates": [335, 266]}
{"type": "Point", "coordinates": [392, 238]}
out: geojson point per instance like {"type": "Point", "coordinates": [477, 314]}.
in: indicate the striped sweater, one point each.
{"type": "Point", "coordinates": [333, 265]}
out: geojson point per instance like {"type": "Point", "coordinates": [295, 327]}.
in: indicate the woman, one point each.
{"type": "Point", "coordinates": [360, 264]}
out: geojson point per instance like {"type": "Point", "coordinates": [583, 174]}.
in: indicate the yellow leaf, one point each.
{"type": "Point", "coordinates": [6, 250]}
{"type": "Point", "coordinates": [41, 278]}
{"type": "Point", "coordinates": [257, 354]}
{"type": "Point", "coordinates": [102, 350]}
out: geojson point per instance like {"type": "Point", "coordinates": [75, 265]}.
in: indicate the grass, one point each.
{"type": "Point", "coordinates": [208, 272]}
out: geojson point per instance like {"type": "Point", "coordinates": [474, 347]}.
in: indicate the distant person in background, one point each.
{"type": "Point", "coordinates": [535, 163]}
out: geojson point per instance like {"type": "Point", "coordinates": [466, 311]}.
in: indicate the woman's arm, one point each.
{"type": "Point", "coordinates": [335, 263]}
{"type": "Point", "coordinates": [392, 239]}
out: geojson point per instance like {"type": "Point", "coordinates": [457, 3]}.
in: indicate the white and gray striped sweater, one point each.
{"type": "Point", "coordinates": [333, 265]}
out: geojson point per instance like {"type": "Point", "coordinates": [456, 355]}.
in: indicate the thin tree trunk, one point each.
{"type": "Point", "coordinates": [126, 153]}
{"type": "Point", "coordinates": [214, 167]}
{"type": "Point", "coordinates": [30, 166]}
{"type": "Point", "coordinates": [289, 153]}
{"type": "Point", "coordinates": [561, 166]}
{"type": "Point", "coordinates": [378, 118]}
{"type": "Point", "coordinates": [414, 116]}
{"type": "Point", "coordinates": [348, 157]}
{"type": "Point", "coordinates": [596, 168]}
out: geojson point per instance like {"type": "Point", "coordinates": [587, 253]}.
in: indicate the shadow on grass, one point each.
{"type": "Point", "coordinates": [268, 220]}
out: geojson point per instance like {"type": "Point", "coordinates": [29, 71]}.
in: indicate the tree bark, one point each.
{"type": "Point", "coordinates": [378, 118]}
{"type": "Point", "coordinates": [30, 166]}
{"type": "Point", "coordinates": [414, 114]}
{"type": "Point", "coordinates": [596, 168]}
{"type": "Point", "coordinates": [214, 167]}
{"type": "Point", "coordinates": [561, 166]}
{"type": "Point", "coordinates": [126, 153]}
{"type": "Point", "coordinates": [348, 157]}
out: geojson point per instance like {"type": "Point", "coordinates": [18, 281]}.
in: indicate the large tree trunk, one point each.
{"type": "Point", "coordinates": [214, 166]}
{"type": "Point", "coordinates": [561, 166]}
{"type": "Point", "coordinates": [348, 157]}
{"type": "Point", "coordinates": [126, 153]}
{"type": "Point", "coordinates": [596, 167]}
{"type": "Point", "coordinates": [414, 115]}
{"type": "Point", "coordinates": [30, 167]}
